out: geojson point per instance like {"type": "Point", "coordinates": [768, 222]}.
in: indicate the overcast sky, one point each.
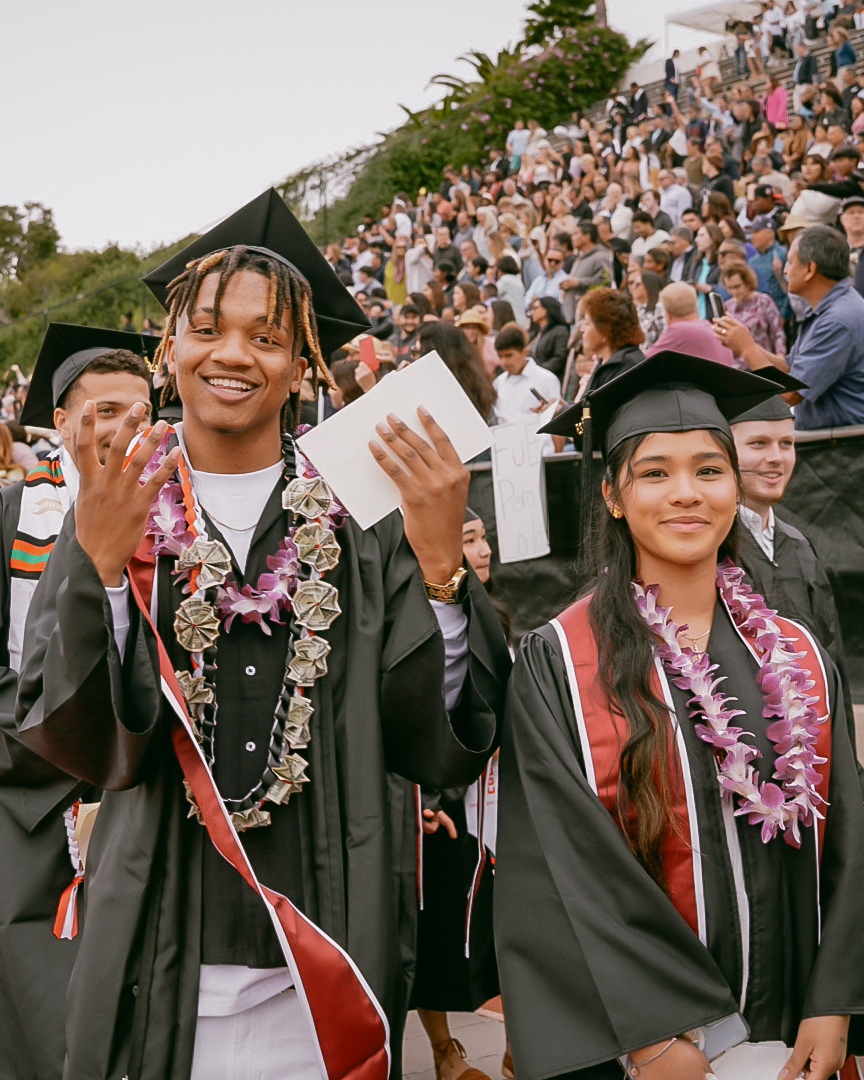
{"type": "Point", "coordinates": [138, 123]}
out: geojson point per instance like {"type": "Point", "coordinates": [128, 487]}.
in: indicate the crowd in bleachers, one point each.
{"type": "Point", "coordinates": [688, 207]}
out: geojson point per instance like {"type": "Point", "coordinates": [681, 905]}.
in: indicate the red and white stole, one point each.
{"type": "Point", "coordinates": [349, 1026]}
{"type": "Point", "coordinates": [602, 736]}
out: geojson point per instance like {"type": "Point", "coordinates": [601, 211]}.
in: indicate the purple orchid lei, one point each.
{"type": "Point", "coordinates": [794, 802]}
{"type": "Point", "coordinates": [273, 593]}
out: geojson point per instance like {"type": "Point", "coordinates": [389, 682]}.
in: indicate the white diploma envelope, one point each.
{"type": "Point", "coordinates": [339, 448]}
{"type": "Point", "coordinates": [751, 1061]}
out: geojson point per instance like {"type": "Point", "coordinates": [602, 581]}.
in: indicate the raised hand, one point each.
{"type": "Point", "coordinates": [433, 484]}
{"type": "Point", "coordinates": [112, 505]}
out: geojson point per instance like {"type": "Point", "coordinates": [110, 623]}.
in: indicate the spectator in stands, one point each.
{"type": "Point", "coordinates": [549, 283]}
{"type": "Point", "coordinates": [828, 354]}
{"type": "Point", "coordinates": [649, 201]}
{"type": "Point", "coordinates": [753, 309]}
{"type": "Point", "coordinates": [774, 102]}
{"type": "Point", "coordinates": [646, 236]}
{"type": "Point", "coordinates": [708, 241]}
{"type": "Point", "coordinates": [474, 325]}
{"type": "Point", "coordinates": [672, 79]}
{"type": "Point", "coordinates": [845, 160]}
{"type": "Point", "coordinates": [435, 296]}
{"type": "Point", "coordinates": [683, 253]}
{"type": "Point", "coordinates": [465, 295]}
{"type": "Point", "coordinates": [550, 335]}
{"type": "Point", "coordinates": [852, 223]}
{"type": "Point", "coordinates": [692, 219]}
{"type": "Point", "coordinates": [394, 273]}
{"type": "Point", "coordinates": [708, 71]}
{"type": "Point", "coordinates": [805, 73]}
{"type": "Point", "coordinates": [842, 56]}
{"type": "Point", "coordinates": [658, 260]}
{"type": "Point", "coordinates": [462, 359]}
{"type": "Point", "coordinates": [762, 167]}
{"type": "Point", "coordinates": [769, 260]}
{"type": "Point", "coordinates": [477, 269]}
{"type": "Point", "coordinates": [407, 326]}
{"type": "Point", "coordinates": [510, 287]}
{"type": "Point", "coordinates": [520, 376]}
{"type": "Point", "coordinates": [446, 250]}
{"type": "Point", "coordinates": [644, 287]}
{"type": "Point", "coordinates": [620, 214]}
{"type": "Point", "coordinates": [419, 266]}
{"type": "Point", "coordinates": [638, 101]}
{"type": "Point", "coordinates": [715, 179]}
{"type": "Point", "coordinates": [591, 267]}
{"type": "Point", "coordinates": [795, 141]}
{"type": "Point", "coordinates": [686, 330]}
{"type": "Point", "coordinates": [610, 332]}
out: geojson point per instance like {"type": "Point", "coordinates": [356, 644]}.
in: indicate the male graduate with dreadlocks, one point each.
{"type": "Point", "coordinates": [39, 805]}
{"type": "Point", "coordinates": [296, 665]}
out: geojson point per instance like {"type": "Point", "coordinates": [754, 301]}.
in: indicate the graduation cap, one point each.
{"type": "Point", "coordinates": [774, 408]}
{"type": "Point", "coordinates": [266, 225]}
{"type": "Point", "coordinates": [670, 391]}
{"type": "Point", "coordinates": [67, 350]}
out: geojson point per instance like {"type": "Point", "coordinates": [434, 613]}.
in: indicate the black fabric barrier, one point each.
{"type": "Point", "coordinates": [825, 501]}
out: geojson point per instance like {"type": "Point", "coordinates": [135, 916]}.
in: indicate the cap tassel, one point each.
{"type": "Point", "coordinates": [586, 493]}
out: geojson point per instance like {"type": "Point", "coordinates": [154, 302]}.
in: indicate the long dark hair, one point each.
{"type": "Point", "coordinates": [625, 650]}
{"type": "Point", "coordinates": [461, 357]}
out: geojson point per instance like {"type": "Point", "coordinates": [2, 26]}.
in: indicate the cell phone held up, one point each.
{"type": "Point", "coordinates": [715, 303]}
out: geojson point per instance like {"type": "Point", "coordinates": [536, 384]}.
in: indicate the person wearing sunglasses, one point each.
{"type": "Point", "coordinates": [548, 283]}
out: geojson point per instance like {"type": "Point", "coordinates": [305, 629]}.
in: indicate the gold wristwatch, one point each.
{"type": "Point", "coordinates": [453, 591]}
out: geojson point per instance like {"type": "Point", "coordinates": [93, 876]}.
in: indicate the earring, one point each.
{"type": "Point", "coordinates": [617, 512]}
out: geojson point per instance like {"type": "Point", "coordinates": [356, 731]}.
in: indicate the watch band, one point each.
{"type": "Point", "coordinates": [453, 591]}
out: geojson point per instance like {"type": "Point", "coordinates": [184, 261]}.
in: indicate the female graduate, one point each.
{"type": "Point", "coordinates": [680, 853]}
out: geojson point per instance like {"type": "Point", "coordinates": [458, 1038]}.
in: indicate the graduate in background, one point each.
{"type": "Point", "coordinates": [456, 968]}
{"type": "Point", "coordinates": [778, 559]}
{"type": "Point", "coordinates": [677, 856]}
{"type": "Point", "coordinates": [215, 643]}
{"type": "Point", "coordinates": [40, 804]}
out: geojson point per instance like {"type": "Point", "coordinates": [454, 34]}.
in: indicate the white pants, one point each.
{"type": "Point", "coordinates": [271, 1041]}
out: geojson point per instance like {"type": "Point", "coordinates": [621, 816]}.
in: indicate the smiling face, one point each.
{"type": "Point", "coordinates": [113, 393]}
{"type": "Point", "coordinates": [679, 503]}
{"type": "Point", "coordinates": [234, 376]}
{"type": "Point", "coordinates": [766, 457]}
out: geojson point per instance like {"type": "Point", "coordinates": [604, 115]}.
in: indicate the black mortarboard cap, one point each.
{"type": "Point", "coordinates": [670, 391]}
{"type": "Point", "coordinates": [774, 408]}
{"type": "Point", "coordinates": [66, 351]}
{"type": "Point", "coordinates": [267, 225]}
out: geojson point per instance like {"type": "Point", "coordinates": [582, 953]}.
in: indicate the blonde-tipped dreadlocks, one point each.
{"type": "Point", "coordinates": [288, 291]}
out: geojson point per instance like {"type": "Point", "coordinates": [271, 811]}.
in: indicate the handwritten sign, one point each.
{"type": "Point", "coordinates": [519, 484]}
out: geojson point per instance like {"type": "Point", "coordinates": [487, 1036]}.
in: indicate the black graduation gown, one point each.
{"type": "Point", "coordinates": [595, 960]}
{"type": "Point", "coordinates": [34, 965]}
{"type": "Point", "coordinates": [343, 850]}
{"type": "Point", "coordinates": [446, 979]}
{"type": "Point", "coordinates": [795, 582]}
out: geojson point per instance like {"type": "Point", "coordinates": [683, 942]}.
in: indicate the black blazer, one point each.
{"type": "Point", "coordinates": [549, 348]}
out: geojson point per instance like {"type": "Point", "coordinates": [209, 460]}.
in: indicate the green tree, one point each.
{"type": "Point", "coordinates": [548, 19]}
